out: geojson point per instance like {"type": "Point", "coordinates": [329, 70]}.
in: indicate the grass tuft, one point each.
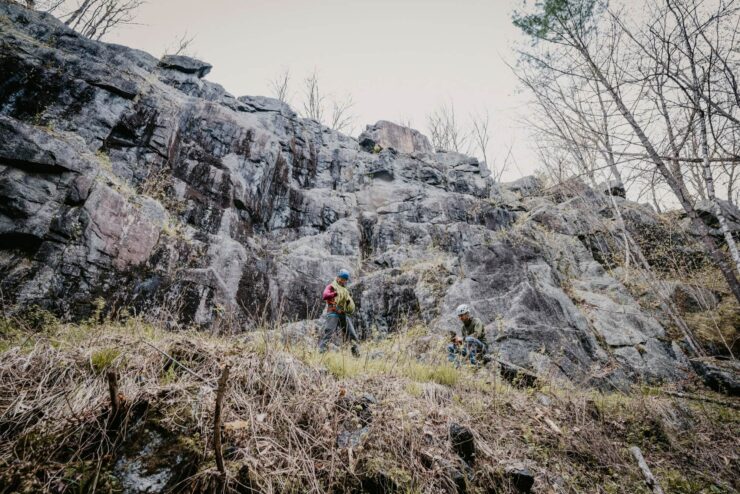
{"type": "Point", "coordinates": [102, 359]}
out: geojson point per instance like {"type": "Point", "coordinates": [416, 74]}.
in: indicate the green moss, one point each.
{"type": "Point", "coordinates": [9, 334]}
{"type": "Point", "coordinates": [380, 467]}
{"type": "Point", "coordinates": [169, 376]}
{"type": "Point", "coordinates": [84, 476]}
{"type": "Point", "coordinates": [23, 328]}
{"type": "Point", "coordinates": [677, 482]}
{"type": "Point", "coordinates": [648, 431]}
{"type": "Point", "coordinates": [37, 319]}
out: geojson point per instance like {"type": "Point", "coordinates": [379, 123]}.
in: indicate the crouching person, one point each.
{"type": "Point", "coordinates": [339, 309]}
{"type": "Point", "coordinates": [472, 344]}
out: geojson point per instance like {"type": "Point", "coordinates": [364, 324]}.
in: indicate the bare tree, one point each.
{"type": "Point", "coordinates": [181, 46]}
{"type": "Point", "coordinates": [480, 134]}
{"type": "Point", "coordinates": [48, 6]}
{"type": "Point", "coordinates": [480, 142]}
{"type": "Point", "coordinates": [313, 104]}
{"type": "Point", "coordinates": [91, 18]}
{"type": "Point", "coordinates": [686, 19]}
{"type": "Point", "coordinates": [280, 86]}
{"type": "Point", "coordinates": [685, 45]}
{"type": "Point", "coordinates": [104, 15]}
{"type": "Point", "coordinates": [497, 171]}
{"type": "Point", "coordinates": [679, 54]}
{"type": "Point", "coordinates": [445, 131]}
{"type": "Point", "coordinates": [341, 116]}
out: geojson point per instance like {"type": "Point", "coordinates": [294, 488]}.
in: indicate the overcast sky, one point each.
{"type": "Point", "coordinates": [397, 59]}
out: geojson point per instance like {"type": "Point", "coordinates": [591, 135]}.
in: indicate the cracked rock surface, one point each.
{"type": "Point", "coordinates": [135, 180]}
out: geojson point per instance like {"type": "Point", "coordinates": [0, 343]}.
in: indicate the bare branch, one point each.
{"type": "Point", "coordinates": [313, 106]}
{"type": "Point", "coordinates": [341, 118]}
{"type": "Point", "coordinates": [280, 86]}
{"type": "Point", "coordinates": [445, 131]}
{"type": "Point", "coordinates": [181, 46]}
{"type": "Point", "coordinates": [93, 18]}
{"type": "Point", "coordinates": [481, 136]}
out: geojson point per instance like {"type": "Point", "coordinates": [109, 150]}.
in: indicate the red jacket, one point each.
{"type": "Point", "coordinates": [329, 296]}
{"type": "Point", "coordinates": [329, 293]}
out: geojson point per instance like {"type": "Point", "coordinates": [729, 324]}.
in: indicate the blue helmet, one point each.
{"type": "Point", "coordinates": [343, 273]}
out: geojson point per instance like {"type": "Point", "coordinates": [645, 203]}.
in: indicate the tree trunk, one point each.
{"type": "Point", "coordinates": [78, 13]}
{"type": "Point", "coordinates": [221, 390]}
{"type": "Point", "coordinates": [704, 146]}
{"type": "Point", "coordinates": [678, 188]}
{"type": "Point", "coordinates": [729, 239]}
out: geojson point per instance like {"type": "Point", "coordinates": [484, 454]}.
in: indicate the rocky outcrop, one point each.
{"type": "Point", "coordinates": [719, 375]}
{"type": "Point", "coordinates": [186, 65]}
{"type": "Point", "coordinates": [708, 214]}
{"type": "Point", "coordinates": [386, 134]}
{"type": "Point", "coordinates": [133, 180]}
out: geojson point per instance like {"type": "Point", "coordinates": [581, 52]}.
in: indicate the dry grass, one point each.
{"type": "Point", "coordinates": [718, 328]}
{"type": "Point", "coordinates": [287, 409]}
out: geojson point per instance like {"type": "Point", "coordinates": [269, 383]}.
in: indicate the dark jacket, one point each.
{"type": "Point", "coordinates": [475, 328]}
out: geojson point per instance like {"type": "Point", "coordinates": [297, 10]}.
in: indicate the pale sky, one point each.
{"type": "Point", "coordinates": [398, 60]}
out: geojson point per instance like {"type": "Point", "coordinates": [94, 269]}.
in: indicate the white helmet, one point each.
{"type": "Point", "coordinates": [462, 309]}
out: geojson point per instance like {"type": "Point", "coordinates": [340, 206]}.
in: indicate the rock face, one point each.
{"type": "Point", "coordinates": [131, 179]}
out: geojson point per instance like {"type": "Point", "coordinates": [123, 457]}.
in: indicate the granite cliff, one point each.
{"type": "Point", "coordinates": [134, 180]}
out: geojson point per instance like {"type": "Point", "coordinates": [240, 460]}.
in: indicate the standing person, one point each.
{"type": "Point", "coordinates": [474, 337]}
{"type": "Point", "coordinates": [339, 308]}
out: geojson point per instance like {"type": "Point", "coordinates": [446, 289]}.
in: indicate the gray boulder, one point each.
{"type": "Point", "coordinates": [389, 135]}
{"type": "Point", "coordinates": [463, 442]}
{"type": "Point", "coordinates": [613, 188]}
{"type": "Point", "coordinates": [186, 65]}
{"type": "Point", "coordinates": [525, 186]}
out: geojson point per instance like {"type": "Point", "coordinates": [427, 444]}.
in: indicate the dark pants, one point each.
{"type": "Point", "coordinates": [333, 323]}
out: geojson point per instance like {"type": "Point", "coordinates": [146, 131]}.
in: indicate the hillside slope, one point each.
{"type": "Point", "coordinates": [135, 181]}
{"type": "Point", "coordinates": [295, 421]}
